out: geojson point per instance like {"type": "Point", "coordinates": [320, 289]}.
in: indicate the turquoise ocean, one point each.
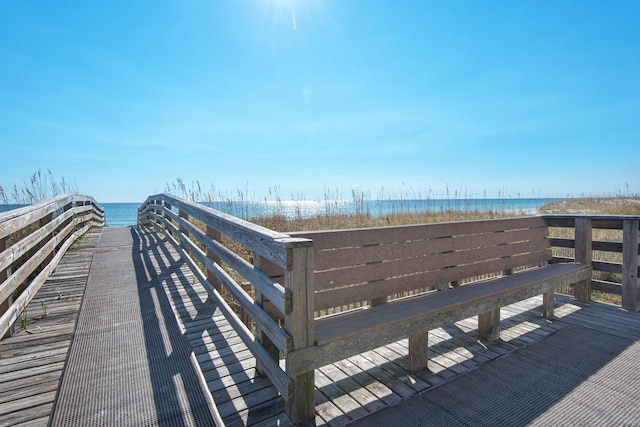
{"type": "Point", "coordinates": [125, 214]}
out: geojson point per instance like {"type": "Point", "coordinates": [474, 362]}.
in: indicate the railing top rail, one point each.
{"type": "Point", "coordinates": [15, 219]}
{"type": "Point", "coordinates": [592, 216]}
{"type": "Point", "coordinates": [253, 236]}
{"type": "Point", "coordinates": [200, 212]}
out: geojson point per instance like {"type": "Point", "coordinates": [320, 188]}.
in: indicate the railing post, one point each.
{"type": "Point", "coordinates": [167, 206]}
{"type": "Point", "coordinates": [298, 279]}
{"type": "Point", "coordinates": [630, 265]}
{"type": "Point", "coordinates": [215, 235]}
{"type": "Point", "coordinates": [41, 223]}
{"type": "Point", "coordinates": [4, 275]}
{"type": "Point", "coordinates": [270, 270]}
{"type": "Point", "coordinates": [67, 208]}
{"type": "Point", "coordinates": [584, 254]}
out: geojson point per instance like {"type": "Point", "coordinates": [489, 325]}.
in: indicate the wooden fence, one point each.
{"type": "Point", "coordinates": [281, 313]}
{"type": "Point", "coordinates": [617, 255]}
{"type": "Point", "coordinates": [33, 240]}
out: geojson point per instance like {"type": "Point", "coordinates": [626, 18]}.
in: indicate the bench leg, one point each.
{"type": "Point", "coordinates": [489, 325]}
{"type": "Point", "coordinates": [418, 352]}
{"type": "Point", "coordinates": [548, 301]}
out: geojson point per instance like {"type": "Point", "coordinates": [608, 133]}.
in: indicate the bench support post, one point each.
{"type": "Point", "coordinates": [298, 279]}
{"type": "Point", "coordinates": [489, 325]}
{"type": "Point", "coordinates": [548, 302]}
{"type": "Point", "coordinates": [418, 352]}
{"type": "Point", "coordinates": [584, 254]}
{"type": "Point", "coordinates": [630, 282]}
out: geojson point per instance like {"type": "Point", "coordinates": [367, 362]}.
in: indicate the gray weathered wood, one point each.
{"type": "Point", "coordinates": [299, 324]}
{"type": "Point", "coordinates": [371, 236]}
{"type": "Point", "coordinates": [584, 254]}
{"type": "Point", "coordinates": [278, 377]}
{"type": "Point", "coordinates": [256, 238]}
{"type": "Point", "coordinates": [27, 295]}
{"type": "Point", "coordinates": [418, 352]}
{"type": "Point", "coordinates": [489, 324]}
{"type": "Point", "coordinates": [274, 291]}
{"type": "Point", "coordinates": [16, 219]}
{"type": "Point", "coordinates": [347, 334]}
{"type": "Point", "coordinates": [630, 281]}
{"type": "Point", "coordinates": [279, 337]}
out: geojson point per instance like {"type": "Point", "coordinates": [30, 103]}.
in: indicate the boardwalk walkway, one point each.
{"type": "Point", "coordinates": [147, 339]}
{"type": "Point", "coordinates": [128, 363]}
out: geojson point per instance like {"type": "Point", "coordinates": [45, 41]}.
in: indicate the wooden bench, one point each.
{"type": "Point", "coordinates": [453, 271]}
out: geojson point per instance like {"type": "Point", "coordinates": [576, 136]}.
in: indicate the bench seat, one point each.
{"type": "Point", "coordinates": [347, 334]}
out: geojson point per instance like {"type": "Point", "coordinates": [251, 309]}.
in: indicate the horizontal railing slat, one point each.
{"type": "Point", "coordinates": [278, 377]}
{"type": "Point", "coordinates": [273, 291]}
{"type": "Point", "coordinates": [277, 335]}
{"type": "Point", "coordinates": [258, 239]}
{"type": "Point", "coordinates": [16, 219]}
{"type": "Point", "coordinates": [331, 239]}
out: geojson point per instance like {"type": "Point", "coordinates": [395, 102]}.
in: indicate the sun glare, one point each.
{"type": "Point", "coordinates": [288, 12]}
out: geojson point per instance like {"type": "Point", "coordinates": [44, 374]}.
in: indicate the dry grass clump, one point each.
{"type": "Point", "coordinates": [40, 186]}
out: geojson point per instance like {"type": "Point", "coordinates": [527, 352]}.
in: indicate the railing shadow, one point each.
{"type": "Point", "coordinates": [178, 395]}
{"type": "Point", "coordinates": [234, 367]}
{"type": "Point", "coordinates": [393, 373]}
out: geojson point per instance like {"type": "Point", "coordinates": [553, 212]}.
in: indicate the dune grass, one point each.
{"type": "Point", "coordinates": [40, 186]}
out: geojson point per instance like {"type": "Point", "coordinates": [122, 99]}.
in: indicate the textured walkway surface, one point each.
{"type": "Point", "coordinates": [129, 363]}
{"type": "Point", "coordinates": [571, 378]}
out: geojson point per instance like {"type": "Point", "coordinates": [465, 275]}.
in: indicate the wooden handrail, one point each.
{"type": "Point", "coordinates": [196, 231]}
{"type": "Point", "coordinates": [33, 241]}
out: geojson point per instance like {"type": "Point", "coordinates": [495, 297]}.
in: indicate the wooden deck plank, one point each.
{"type": "Point", "coordinates": [32, 360]}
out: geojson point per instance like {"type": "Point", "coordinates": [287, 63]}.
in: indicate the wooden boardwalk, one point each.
{"type": "Point", "coordinates": [346, 391]}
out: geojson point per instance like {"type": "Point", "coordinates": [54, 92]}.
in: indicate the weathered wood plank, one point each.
{"type": "Point", "coordinates": [508, 255]}
{"type": "Point", "coordinates": [429, 279]}
{"type": "Point", "coordinates": [357, 254]}
{"type": "Point", "coordinates": [256, 238]}
{"type": "Point", "coordinates": [346, 334]}
{"type": "Point", "coordinates": [329, 239]}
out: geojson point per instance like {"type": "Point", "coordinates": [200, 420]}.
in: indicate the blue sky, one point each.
{"type": "Point", "coordinates": [500, 98]}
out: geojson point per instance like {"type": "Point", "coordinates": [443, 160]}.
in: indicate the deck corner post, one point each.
{"type": "Point", "coordinates": [298, 279]}
{"type": "Point", "coordinates": [584, 254]}
{"type": "Point", "coordinates": [630, 282]}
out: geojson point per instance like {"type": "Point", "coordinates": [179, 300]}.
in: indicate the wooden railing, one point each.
{"type": "Point", "coordinates": [272, 283]}
{"type": "Point", "coordinates": [281, 313]}
{"type": "Point", "coordinates": [614, 250]}
{"type": "Point", "coordinates": [33, 239]}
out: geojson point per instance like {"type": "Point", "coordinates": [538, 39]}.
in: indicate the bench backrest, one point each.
{"type": "Point", "coordinates": [358, 266]}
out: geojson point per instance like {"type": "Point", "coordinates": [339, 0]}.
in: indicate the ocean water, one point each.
{"type": "Point", "coordinates": [125, 214]}
{"type": "Point", "coordinates": [121, 214]}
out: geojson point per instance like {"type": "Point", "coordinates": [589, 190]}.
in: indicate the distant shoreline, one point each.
{"type": "Point", "coordinates": [122, 214]}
